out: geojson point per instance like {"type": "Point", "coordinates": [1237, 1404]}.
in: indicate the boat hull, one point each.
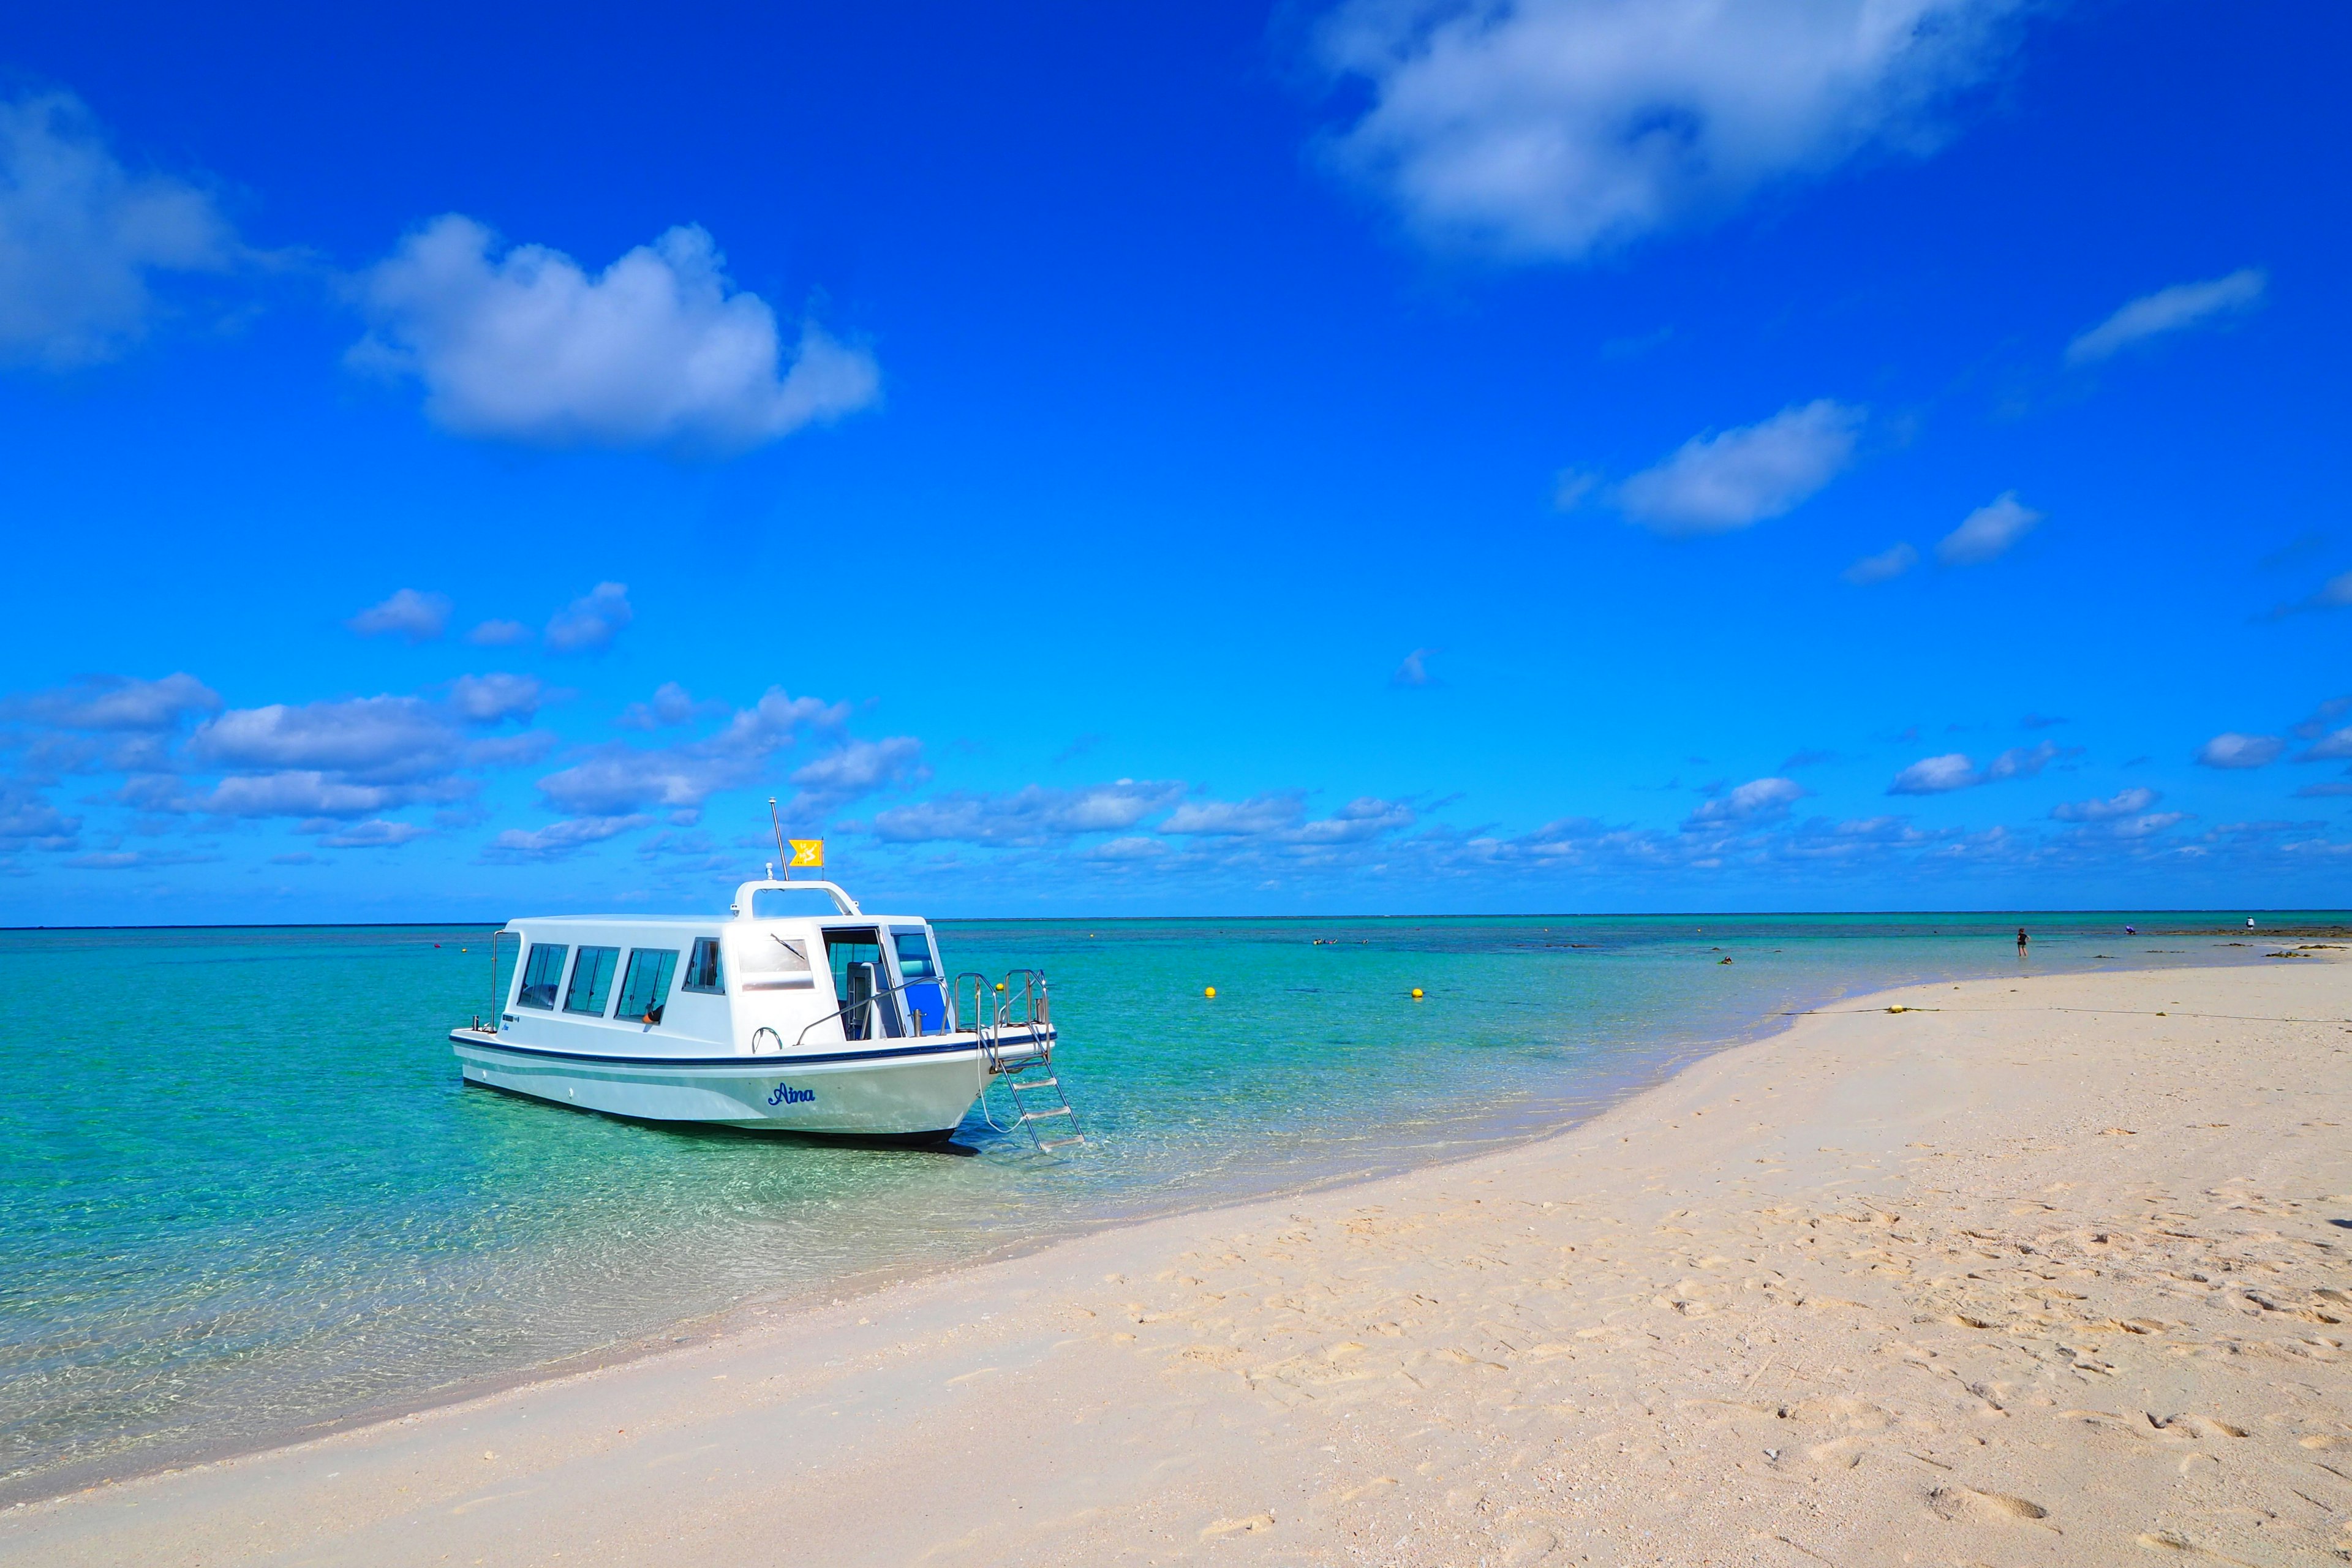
{"type": "Point", "coordinates": [903, 1089]}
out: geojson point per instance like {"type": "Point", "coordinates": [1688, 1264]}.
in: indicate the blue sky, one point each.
{"type": "Point", "coordinates": [1551, 455]}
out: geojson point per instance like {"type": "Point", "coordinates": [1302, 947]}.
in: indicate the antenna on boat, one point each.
{"type": "Point", "coordinates": [783, 860]}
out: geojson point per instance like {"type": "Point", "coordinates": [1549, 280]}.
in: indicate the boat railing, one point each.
{"type": "Point", "coordinates": [998, 1005]}
{"type": "Point", "coordinates": [871, 1006]}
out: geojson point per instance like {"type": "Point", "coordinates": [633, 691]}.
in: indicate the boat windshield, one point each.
{"type": "Point", "coordinates": [913, 947]}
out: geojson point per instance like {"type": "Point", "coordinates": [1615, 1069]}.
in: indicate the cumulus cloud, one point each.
{"type": "Point", "coordinates": [2123, 803]}
{"type": "Point", "coordinates": [82, 237]}
{"type": "Point", "coordinates": [411, 616]}
{"type": "Point", "coordinates": [294, 792]}
{"type": "Point", "coordinates": [558, 840]}
{"type": "Point", "coordinates": [488, 698]}
{"type": "Point", "coordinates": [1028, 816]}
{"type": "Point", "coordinates": [1986, 533]}
{"type": "Point", "coordinates": [589, 624]}
{"type": "Point", "coordinates": [658, 349]}
{"type": "Point", "coordinates": [27, 821]}
{"type": "Point", "coordinates": [618, 780]}
{"type": "Point", "coordinates": [1554, 129]}
{"type": "Point", "coordinates": [672, 705]}
{"type": "Point", "coordinates": [1238, 818]}
{"type": "Point", "coordinates": [377, 834]}
{"type": "Point", "coordinates": [1715, 483]}
{"type": "Point", "coordinates": [2232, 750]}
{"type": "Point", "coordinates": [499, 633]}
{"type": "Point", "coordinates": [859, 769]}
{"type": "Point", "coordinates": [2169, 310]}
{"type": "Point", "coordinates": [2334, 746]}
{"type": "Point", "coordinates": [370, 739]}
{"type": "Point", "coordinates": [1884, 567]}
{"type": "Point", "coordinates": [1955, 770]}
{"type": "Point", "coordinates": [1414, 670]}
{"type": "Point", "coordinates": [1754, 803]}
{"type": "Point", "coordinates": [116, 702]}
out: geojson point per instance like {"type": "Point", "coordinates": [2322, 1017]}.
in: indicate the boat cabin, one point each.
{"type": "Point", "coordinates": [773, 978]}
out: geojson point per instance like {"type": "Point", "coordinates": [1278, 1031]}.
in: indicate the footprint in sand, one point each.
{"type": "Point", "coordinates": [1247, 1526]}
{"type": "Point", "coordinates": [1961, 1502]}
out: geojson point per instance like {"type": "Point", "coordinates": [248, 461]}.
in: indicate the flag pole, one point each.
{"type": "Point", "coordinates": [783, 861]}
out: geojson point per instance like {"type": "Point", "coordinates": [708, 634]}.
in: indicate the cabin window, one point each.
{"type": "Point", "coordinates": [541, 975]}
{"type": "Point", "coordinates": [766, 962]}
{"type": "Point", "coordinates": [592, 979]}
{"type": "Point", "coordinates": [913, 946]}
{"type": "Point", "coordinates": [702, 971]}
{"type": "Point", "coordinates": [646, 988]}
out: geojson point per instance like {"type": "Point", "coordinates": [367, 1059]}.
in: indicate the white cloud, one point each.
{"type": "Point", "coordinates": [1126, 850]}
{"type": "Point", "coordinates": [559, 839]}
{"type": "Point", "coordinates": [1883, 567]}
{"type": "Point", "coordinates": [658, 349]}
{"type": "Point", "coordinates": [2334, 746]}
{"type": "Point", "coordinates": [378, 834]}
{"type": "Point", "coordinates": [621, 779]}
{"type": "Point", "coordinates": [1261, 813]}
{"type": "Point", "coordinates": [487, 699]}
{"type": "Point", "coordinates": [859, 768]}
{"type": "Point", "coordinates": [29, 822]}
{"type": "Point", "coordinates": [117, 703]}
{"type": "Point", "coordinates": [1935, 775]}
{"type": "Point", "coordinates": [1414, 670]}
{"type": "Point", "coordinates": [1028, 816]}
{"type": "Point", "coordinates": [1715, 483]}
{"type": "Point", "coordinates": [1756, 802]}
{"type": "Point", "coordinates": [409, 614]}
{"type": "Point", "coordinates": [2232, 750]}
{"type": "Point", "coordinates": [300, 792]}
{"type": "Point", "coordinates": [2169, 310]}
{"type": "Point", "coordinates": [1986, 533]}
{"type": "Point", "coordinates": [2123, 803]}
{"type": "Point", "coordinates": [588, 625]}
{"type": "Point", "coordinates": [1558, 128]}
{"type": "Point", "coordinates": [2335, 594]}
{"type": "Point", "coordinates": [499, 633]}
{"type": "Point", "coordinates": [81, 236]}
{"type": "Point", "coordinates": [1361, 820]}
{"type": "Point", "coordinates": [376, 740]}
{"type": "Point", "coordinates": [672, 705]}
{"type": "Point", "coordinates": [2024, 762]}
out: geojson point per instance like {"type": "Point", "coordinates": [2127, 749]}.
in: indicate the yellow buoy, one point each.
{"type": "Point", "coordinates": [1210, 991]}
{"type": "Point", "coordinates": [1000, 985]}
{"type": "Point", "coordinates": [1416, 992]}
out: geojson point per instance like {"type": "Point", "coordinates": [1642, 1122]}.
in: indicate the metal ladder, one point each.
{"type": "Point", "coordinates": [1008, 1061]}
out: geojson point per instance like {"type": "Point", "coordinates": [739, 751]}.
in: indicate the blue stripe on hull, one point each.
{"type": "Point", "coordinates": [763, 1064]}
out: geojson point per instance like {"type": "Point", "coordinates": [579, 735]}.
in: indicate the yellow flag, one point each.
{"type": "Point", "coordinates": [808, 852]}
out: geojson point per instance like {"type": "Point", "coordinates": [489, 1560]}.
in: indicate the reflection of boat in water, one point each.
{"type": "Point", "coordinates": [840, 1023]}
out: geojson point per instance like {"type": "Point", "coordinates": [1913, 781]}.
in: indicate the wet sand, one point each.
{"type": "Point", "coordinates": [2044, 1270]}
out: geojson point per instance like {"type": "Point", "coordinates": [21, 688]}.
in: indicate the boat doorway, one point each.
{"type": "Point", "coordinates": [870, 1007]}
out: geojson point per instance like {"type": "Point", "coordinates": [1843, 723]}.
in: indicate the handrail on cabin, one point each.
{"type": "Point", "coordinates": [841, 902]}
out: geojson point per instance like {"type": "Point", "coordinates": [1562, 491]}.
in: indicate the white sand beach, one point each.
{"type": "Point", "coordinates": [2043, 1270]}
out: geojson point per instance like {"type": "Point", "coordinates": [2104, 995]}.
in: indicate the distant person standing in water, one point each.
{"type": "Point", "coordinates": [2020, 942]}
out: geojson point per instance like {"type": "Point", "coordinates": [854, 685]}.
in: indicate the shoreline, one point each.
{"type": "Point", "coordinates": [939, 1305]}
{"type": "Point", "coordinates": [748, 1314]}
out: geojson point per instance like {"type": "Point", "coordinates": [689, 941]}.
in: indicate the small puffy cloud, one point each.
{"type": "Point", "coordinates": [409, 614]}
{"type": "Point", "coordinates": [618, 780]}
{"type": "Point", "coordinates": [2169, 310]}
{"type": "Point", "coordinates": [297, 792]}
{"type": "Point", "coordinates": [511, 751]}
{"type": "Point", "coordinates": [2024, 762]}
{"type": "Point", "coordinates": [588, 625]}
{"type": "Point", "coordinates": [1757, 802]}
{"type": "Point", "coordinates": [2335, 594]}
{"type": "Point", "coordinates": [1936, 776]}
{"type": "Point", "coordinates": [1715, 483]}
{"type": "Point", "coordinates": [672, 705]}
{"type": "Point", "coordinates": [499, 633]}
{"type": "Point", "coordinates": [2232, 750]}
{"type": "Point", "coordinates": [659, 349]}
{"type": "Point", "coordinates": [488, 698]}
{"type": "Point", "coordinates": [82, 237]}
{"type": "Point", "coordinates": [1414, 670]}
{"type": "Point", "coordinates": [2123, 803]}
{"type": "Point", "coordinates": [27, 821]}
{"type": "Point", "coordinates": [1986, 533]}
{"type": "Point", "coordinates": [1126, 851]}
{"type": "Point", "coordinates": [1028, 816]}
{"type": "Point", "coordinates": [1554, 129]}
{"type": "Point", "coordinates": [1359, 821]}
{"type": "Point", "coordinates": [559, 840]}
{"type": "Point", "coordinates": [859, 769]}
{"type": "Point", "coordinates": [1258, 815]}
{"type": "Point", "coordinates": [377, 834]}
{"type": "Point", "coordinates": [1884, 567]}
{"type": "Point", "coordinates": [116, 702]}
{"type": "Point", "coordinates": [2334, 746]}
{"type": "Point", "coordinates": [374, 739]}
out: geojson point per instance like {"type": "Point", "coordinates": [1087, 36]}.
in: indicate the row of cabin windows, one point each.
{"type": "Point", "coordinates": [644, 986]}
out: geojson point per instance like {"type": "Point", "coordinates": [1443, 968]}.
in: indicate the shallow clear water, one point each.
{"type": "Point", "coordinates": [243, 1189]}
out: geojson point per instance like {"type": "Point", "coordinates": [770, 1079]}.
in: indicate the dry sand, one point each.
{"type": "Point", "coordinates": [2054, 1272]}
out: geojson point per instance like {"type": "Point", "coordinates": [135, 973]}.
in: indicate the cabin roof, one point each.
{"type": "Point", "coordinates": [704, 922]}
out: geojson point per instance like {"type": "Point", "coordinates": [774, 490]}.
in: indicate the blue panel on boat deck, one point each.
{"type": "Point", "coordinates": [930, 1005]}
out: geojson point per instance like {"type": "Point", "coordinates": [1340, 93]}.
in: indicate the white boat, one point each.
{"type": "Point", "coordinates": [841, 1024]}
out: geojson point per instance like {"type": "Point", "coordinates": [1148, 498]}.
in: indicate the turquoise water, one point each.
{"type": "Point", "coordinates": [243, 1191]}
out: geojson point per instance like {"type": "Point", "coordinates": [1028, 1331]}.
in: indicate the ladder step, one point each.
{"type": "Point", "coordinates": [1046, 1115]}
{"type": "Point", "coordinates": [1017, 1084]}
{"type": "Point", "coordinates": [1047, 1145]}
